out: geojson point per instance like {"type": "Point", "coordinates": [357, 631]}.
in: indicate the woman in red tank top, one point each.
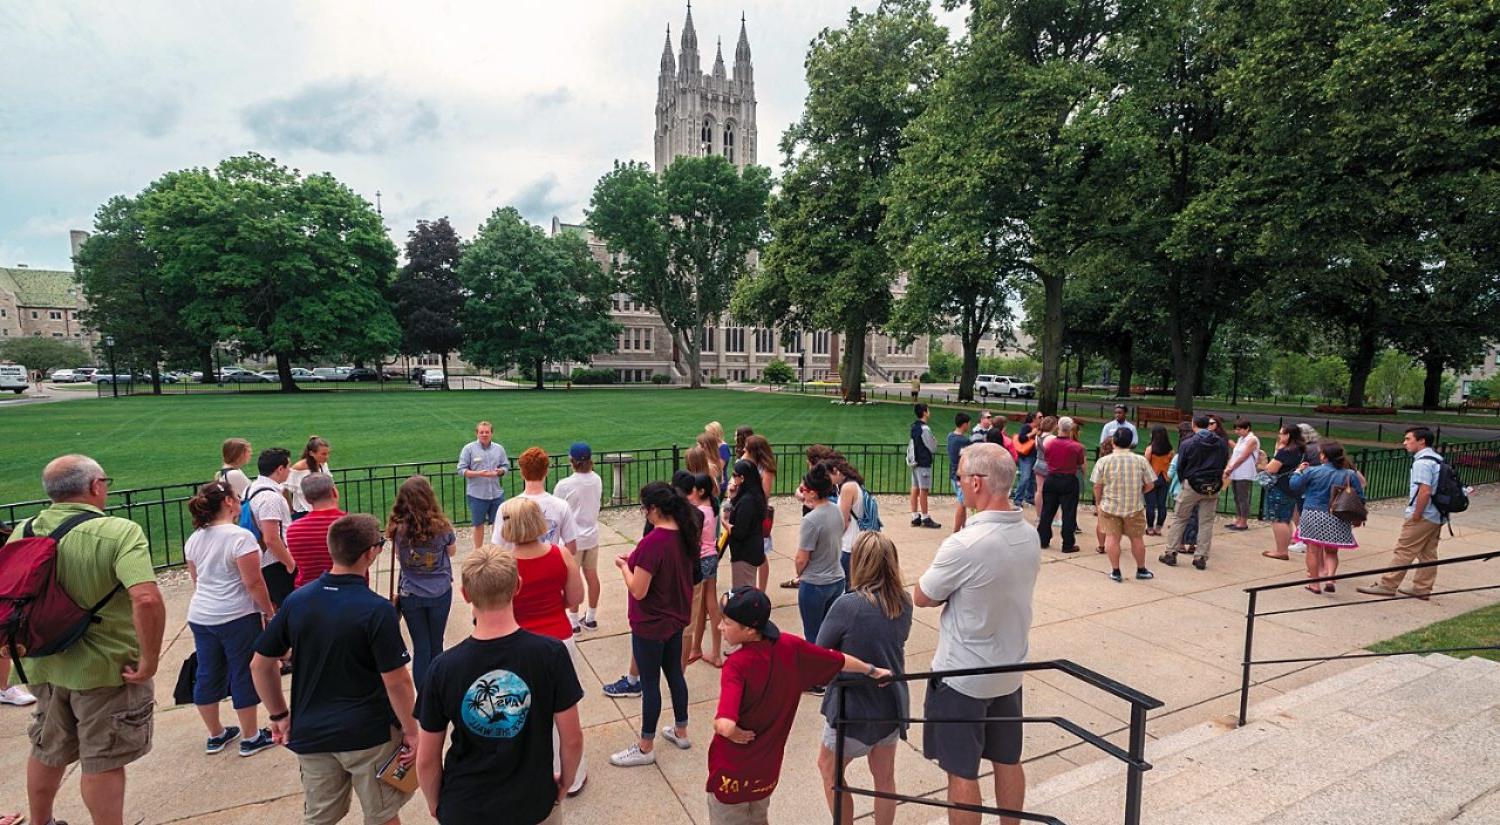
{"type": "Point", "coordinates": [551, 583]}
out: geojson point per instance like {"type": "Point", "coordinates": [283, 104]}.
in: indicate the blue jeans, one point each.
{"type": "Point", "coordinates": [224, 652]}
{"type": "Point", "coordinates": [844, 559]}
{"type": "Point", "coordinates": [1025, 480]}
{"type": "Point", "coordinates": [1156, 504]}
{"type": "Point", "coordinates": [813, 602]}
{"type": "Point", "coordinates": [426, 619]}
{"type": "Point", "coordinates": [653, 657]}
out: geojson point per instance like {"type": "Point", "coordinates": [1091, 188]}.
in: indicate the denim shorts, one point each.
{"type": "Point", "coordinates": [484, 510]}
{"type": "Point", "coordinates": [1279, 505]}
{"type": "Point", "coordinates": [709, 566]}
{"type": "Point", "coordinates": [958, 490]}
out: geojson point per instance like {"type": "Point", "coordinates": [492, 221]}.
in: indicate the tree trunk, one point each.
{"type": "Point", "coordinates": [1432, 385]}
{"type": "Point", "coordinates": [284, 372]}
{"type": "Point", "coordinates": [156, 379]}
{"type": "Point", "coordinates": [1189, 351]}
{"type": "Point", "coordinates": [207, 354]}
{"type": "Point", "coordinates": [1052, 335]}
{"type": "Point", "coordinates": [443, 362]}
{"type": "Point", "coordinates": [851, 383]}
{"type": "Point", "coordinates": [541, 383]}
{"type": "Point", "coordinates": [1360, 366]}
{"type": "Point", "coordinates": [1125, 364]}
{"type": "Point", "coordinates": [695, 358]}
{"type": "Point", "coordinates": [968, 373]}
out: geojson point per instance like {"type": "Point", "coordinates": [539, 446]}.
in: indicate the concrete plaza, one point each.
{"type": "Point", "coordinates": [1178, 637]}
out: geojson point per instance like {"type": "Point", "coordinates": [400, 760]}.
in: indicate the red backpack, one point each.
{"type": "Point", "coordinates": [37, 617]}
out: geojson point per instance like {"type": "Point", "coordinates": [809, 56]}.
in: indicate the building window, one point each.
{"type": "Point", "coordinates": [729, 141]}
{"type": "Point", "coordinates": [708, 339]}
{"type": "Point", "coordinates": [706, 134]}
{"type": "Point", "coordinates": [765, 340]}
{"type": "Point", "coordinates": [820, 343]}
{"type": "Point", "coordinates": [57, 335]}
{"type": "Point", "coordinates": [4, 312]}
{"type": "Point", "coordinates": [734, 340]}
{"type": "Point", "coordinates": [892, 347]}
{"type": "Point", "coordinates": [55, 315]}
{"type": "Point", "coordinates": [794, 345]}
{"type": "Point", "coordinates": [34, 316]}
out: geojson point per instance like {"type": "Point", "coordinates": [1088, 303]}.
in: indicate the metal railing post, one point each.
{"type": "Point", "coordinates": [1133, 773]}
{"type": "Point", "coordinates": [1245, 664]}
{"type": "Point", "coordinates": [838, 760]}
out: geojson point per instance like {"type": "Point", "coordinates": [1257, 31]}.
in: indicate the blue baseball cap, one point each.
{"type": "Point", "coordinates": [580, 451]}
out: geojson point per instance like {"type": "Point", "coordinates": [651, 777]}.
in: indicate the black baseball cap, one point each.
{"type": "Point", "coordinates": [751, 608]}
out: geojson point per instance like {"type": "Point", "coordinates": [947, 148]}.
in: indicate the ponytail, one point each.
{"type": "Point", "coordinates": [668, 501]}
{"type": "Point", "coordinates": [208, 502]}
{"type": "Point", "coordinates": [309, 453]}
{"type": "Point", "coordinates": [1333, 453]}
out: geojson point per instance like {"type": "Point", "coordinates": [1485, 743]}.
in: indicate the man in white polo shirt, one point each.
{"type": "Point", "coordinates": [982, 577]}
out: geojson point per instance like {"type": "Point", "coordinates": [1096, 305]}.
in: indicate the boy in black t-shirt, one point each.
{"type": "Point", "coordinates": [501, 689]}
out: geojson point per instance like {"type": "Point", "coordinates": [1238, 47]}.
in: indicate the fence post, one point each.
{"type": "Point", "coordinates": [1437, 437]}
{"type": "Point", "coordinates": [1133, 772]}
{"type": "Point", "coordinates": [1245, 663]}
{"type": "Point", "coordinates": [676, 458]}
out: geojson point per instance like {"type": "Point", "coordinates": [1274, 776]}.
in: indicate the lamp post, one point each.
{"type": "Point", "coordinates": [114, 377]}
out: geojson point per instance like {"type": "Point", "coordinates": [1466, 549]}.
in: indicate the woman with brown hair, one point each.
{"type": "Point", "coordinates": [314, 460]}
{"type": "Point", "coordinates": [236, 454]}
{"type": "Point", "coordinates": [1325, 533]}
{"type": "Point", "coordinates": [424, 543]}
{"type": "Point", "coordinates": [1046, 430]}
{"type": "Point", "coordinates": [871, 622]}
{"type": "Point", "coordinates": [710, 447]}
{"type": "Point", "coordinates": [758, 452]}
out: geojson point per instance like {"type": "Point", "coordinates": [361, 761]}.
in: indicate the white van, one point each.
{"type": "Point", "coordinates": [13, 378]}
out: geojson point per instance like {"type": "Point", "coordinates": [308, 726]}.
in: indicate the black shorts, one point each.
{"type": "Point", "coordinates": [279, 581]}
{"type": "Point", "coordinates": [958, 748]}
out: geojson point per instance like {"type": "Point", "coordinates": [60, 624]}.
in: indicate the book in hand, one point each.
{"type": "Point", "coordinates": [401, 777]}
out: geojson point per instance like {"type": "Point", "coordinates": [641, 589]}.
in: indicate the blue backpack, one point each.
{"type": "Point", "coordinates": [869, 521]}
{"type": "Point", "coordinates": [247, 516]}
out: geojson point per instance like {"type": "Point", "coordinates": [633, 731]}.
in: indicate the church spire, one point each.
{"type": "Point", "coordinates": [744, 72]}
{"type": "Point", "coordinates": [688, 63]}
{"type": "Point", "coordinates": [719, 60]}
{"type": "Point", "coordinates": [668, 63]}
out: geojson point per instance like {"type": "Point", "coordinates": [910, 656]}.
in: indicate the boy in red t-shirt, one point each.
{"type": "Point", "coordinates": [758, 694]}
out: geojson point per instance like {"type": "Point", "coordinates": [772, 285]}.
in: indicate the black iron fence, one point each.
{"type": "Point", "coordinates": [1133, 754]}
{"type": "Point", "coordinates": [162, 511]}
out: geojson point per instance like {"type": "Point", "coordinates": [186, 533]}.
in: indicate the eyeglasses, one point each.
{"type": "Point", "coordinates": [105, 479]}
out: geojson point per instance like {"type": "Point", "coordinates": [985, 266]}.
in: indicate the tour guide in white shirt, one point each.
{"type": "Point", "coordinates": [983, 577]}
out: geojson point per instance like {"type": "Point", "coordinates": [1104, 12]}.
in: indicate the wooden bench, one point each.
{"type": "Point", "coordinates": [1171, 416]}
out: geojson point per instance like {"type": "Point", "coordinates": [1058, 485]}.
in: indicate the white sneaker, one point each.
{"type": "Point", "coordinates": [669, 733]}
{"type": "Point", "coordinates": [1299, 547]}
{"type": "Point", "coordinates": [17, 695]}
{"type": "Point", "coordinates": [633, 757]}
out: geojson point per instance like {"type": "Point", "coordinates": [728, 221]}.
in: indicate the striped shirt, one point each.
{"type": "Point", "coordinates": [1124, 476]}
{"type": "Point", "coordinates": [307, 540]}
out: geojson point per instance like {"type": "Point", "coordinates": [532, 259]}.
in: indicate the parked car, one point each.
{"type": "Point", "coordinates": [13, 378]}
{"type": "Point", "coordinates": [144, 376]}
{"type": "Point", "coordinates": [416, 374]}
{"type": "Point", "coordinates": [108, 378]}
{"type": "Point", "coordinates": [988, 385]}
{"type": "Point", "coordinates": [362, 374]}
{"type": "Point", "coordinates": [332, 373]}
{"type": "Point", "coordinates": [85, 373]}
{"type": "Point", "coordinates": [302, 374]}
{"type": "Point", "coordinates": [63, 376]}
{"type": "Point", "coordinates": [238, 375]}
{"type": "Point", "coordinates": [432, 378]}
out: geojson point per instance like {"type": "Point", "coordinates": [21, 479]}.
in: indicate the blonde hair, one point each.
{"type": "Point", "coordinates": [875, 571]}
{"type": "Point", "coordinates": [716, 430]}
{"type": "Point", "coordinates": [234, 448]}
{"type": "Point", "coordinates": [490, 576]}
{"type": "Point", "coordinates": [521, 521]}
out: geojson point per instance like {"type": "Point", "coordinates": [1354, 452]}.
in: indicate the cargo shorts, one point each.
{"type": "Point", "coordinates": [100, 728]}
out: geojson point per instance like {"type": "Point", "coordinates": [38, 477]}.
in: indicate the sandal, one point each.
{"type": "Point", "coordinates": [1100, 549]}
{"type": "Point", "coordinates": [1328, 587]}
{"type": "Point", "coordinates": [712, 662]}
{"type": "Point", "coordinates": [791, 584]}
{"type": "Point", "coordinates": [1268, 554]}
{"type": "Point", "coordinates": [691, 657]}
{"type": "Point", "coordinates": [1312, 588]}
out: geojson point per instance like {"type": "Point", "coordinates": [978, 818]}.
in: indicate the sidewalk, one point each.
{"type": "Point", "coordinates": [1178, 637]}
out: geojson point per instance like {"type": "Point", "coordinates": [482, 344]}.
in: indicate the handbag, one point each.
{"type": "Point", "coordinates": [1205, 486]}
{"type": "Point", "coordinates": [187, 679]}
{"type": "Point", "coordinates": [1346, 504]}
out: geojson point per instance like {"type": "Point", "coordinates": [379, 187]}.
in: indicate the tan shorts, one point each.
{"type": "Point", "coordinates": [588, 558]}
{"type": "Point", "coordinates": [743, 573]}
{"type": "Point", "coordinates": [1131, 526]}
{"type": "Point", "coordinates": [743, 813]}
{"type": "Point", "coordinates": [101, 728]}
{"type": "Point", "coordinates": [328, 777]}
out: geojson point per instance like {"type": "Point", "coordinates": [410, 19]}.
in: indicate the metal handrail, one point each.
{"type": "Point", "coordinates": [1134, 756]}
{"type": "Point", "coordinates": [1253, 593]}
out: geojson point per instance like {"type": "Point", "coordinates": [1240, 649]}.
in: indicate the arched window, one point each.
{"type": "Point", "coordinates": [729, 141]}
{"type": "Point", "coordinates": [706, 135]}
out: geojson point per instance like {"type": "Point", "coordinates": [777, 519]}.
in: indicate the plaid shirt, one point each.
{"type": "Point", "coordinates": [1124, 476]}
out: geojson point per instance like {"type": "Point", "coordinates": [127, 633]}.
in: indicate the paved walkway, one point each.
{"type": "Point", "coordinates": [1178, 637]}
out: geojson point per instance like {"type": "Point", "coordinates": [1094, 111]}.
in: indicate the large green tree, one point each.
{"type": "Point", "coordinates": [682, 240]}
{"type": "Point", "coordinates": [130, 296]}
{"type": "Point", "coordinates": [826, 267]}
{"type": "Point", "coordinates": [283, 263]}
{"type": "Point", "coordinates": [427, 297]}
{"type": "Point", "coordinates": [42, 353]}
{"type": "Point", "coordinates": [532, 298]}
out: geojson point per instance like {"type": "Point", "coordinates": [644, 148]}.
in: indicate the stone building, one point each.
{"type": "Point", "coordinates": [43, 303]}
{"type": "Point", "coordinates": [698, 113]}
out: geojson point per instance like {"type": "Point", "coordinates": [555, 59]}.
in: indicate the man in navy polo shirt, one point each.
{"type": "Point", "coordinates": [352, 705]}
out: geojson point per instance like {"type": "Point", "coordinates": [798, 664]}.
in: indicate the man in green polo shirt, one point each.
{"type": "Point", "coordinates": [94, 700]}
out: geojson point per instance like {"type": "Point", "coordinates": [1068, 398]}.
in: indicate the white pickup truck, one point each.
{"type": "Point", "coordinates": [13, 378]}
{"type": "Point", "coordinates": [1004, 385]}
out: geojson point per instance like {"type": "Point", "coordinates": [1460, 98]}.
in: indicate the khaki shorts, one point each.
{"type": "Point", "coordinates": [742, 813]}
{"type": "Point", "coordinates": [328, 777]}
{"type": "Point", "coordinates": [588, 558]}
{"type": "Point", "coordinates": [1131, 526]}
{"type": "Point", "coordinates": [101, 728]}
{"type": "Point", "coordinates": [744, 574]}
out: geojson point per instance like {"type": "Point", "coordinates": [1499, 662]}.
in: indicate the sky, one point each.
{"type": "Point", "coordinates": [446, 108]}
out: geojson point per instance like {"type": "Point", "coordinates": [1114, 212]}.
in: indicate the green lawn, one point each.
{"type": "Point", "coordinates": [145, 441]}
{"type": "Point", "coordinates": [1472, 629]}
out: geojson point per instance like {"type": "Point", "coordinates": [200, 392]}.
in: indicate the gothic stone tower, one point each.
{"type": "Point", "coordinates": [698, 113]}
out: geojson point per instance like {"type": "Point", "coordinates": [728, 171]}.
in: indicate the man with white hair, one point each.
{"type": "Point", "coordinates": [982, 577]}
{"type": "Point", "coordinates": [94, 698]}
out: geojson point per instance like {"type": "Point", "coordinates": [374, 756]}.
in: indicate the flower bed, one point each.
{"type": "Point", "coordinates": [1334, 409]}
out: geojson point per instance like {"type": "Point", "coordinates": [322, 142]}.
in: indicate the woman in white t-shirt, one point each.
{"type": "Point", "coordinates": [225, 614]}
{"type": "Point", "coordinates": [1242, 470]}
{"type": "Point", "coordinates": [314, 460]}
{"type": "Point", "coordinates": [851, 486]}
{"type": "Point", "coordinates": [236, 452]}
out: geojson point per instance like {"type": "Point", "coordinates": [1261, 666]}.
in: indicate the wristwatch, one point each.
{"type": "Point", "coordinates": [277, 717]}
{"type": "Point", "coordinates": [871, 671]}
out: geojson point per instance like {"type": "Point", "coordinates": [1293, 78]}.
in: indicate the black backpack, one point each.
{"type": "Point", "coordinates": [1448, 494]}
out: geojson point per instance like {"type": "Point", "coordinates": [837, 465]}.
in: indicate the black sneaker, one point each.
{"type": "Point", "coordinates": [1143, 573]}
{"type": "Point", "coordinates": [1114, 575]}
{"type": "Point", "coordinates": [1168, 558]}
{"type": "Point", "coordinates": [218, 743]}
{"type": "Point", "coordinates": [916, 521]}
{"type": "Point", "coordinates": [1200, 562]}
{"type": "Point", "coordinates": [1073, 549]}
{"type": "Point", "coordinates": [590, 624]}
{"type": "Point", "coordinates": [928, 522]}
{"type": "Point", "coordinates": [262, 741]}
{"type": "Point", "coordinates": [817, 690]}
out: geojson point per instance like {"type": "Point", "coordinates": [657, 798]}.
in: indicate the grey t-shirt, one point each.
{"type": "Point", "coordinates": [475, 457]}
{"type": "Point", "coordinates": [857, 627]}
{"type": "Point", "coordinates": [822, 530]}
